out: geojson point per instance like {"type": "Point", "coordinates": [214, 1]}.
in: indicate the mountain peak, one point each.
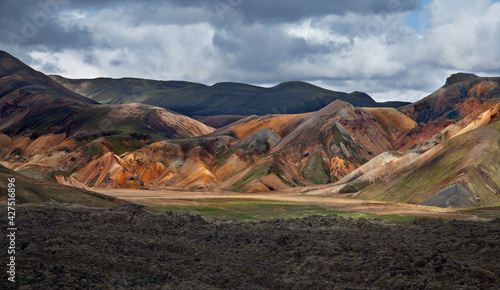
{"type": "Point", "coordinates": [459, 77]}
{"type": "Point", "coordinates": [362, 95]}
{"type": "Point", "coordinates": [33, 83]}
{"type": "Point", "coordinates": [4, 54]}
{"type": "Point", "coordinates": [334, 107]}
{"type": "Point", "coordinates": [9, 63]}
{"type": "Point", "coordinates": [296, 85]}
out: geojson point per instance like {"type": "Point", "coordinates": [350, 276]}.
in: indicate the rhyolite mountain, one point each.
{"type": "Point", "coordinates": [450, 159]}
{"type": "Point", "coordinates": [48, 130]}
{"type": "Point", "coordinates": [462, 94]}
{"type": "Point", "coordinates": [439, 151]}
{"type": "Point", "coordinates": [193, 99]}
{"type": "Point", "coordinates": [275, 152]}
{"type": "Point", "coordinates": [34, 190]}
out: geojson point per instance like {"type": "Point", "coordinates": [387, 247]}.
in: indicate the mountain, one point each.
{"type": "Point", "coordinates": [25, 93]}
{"type": "Point", "coordinates": [48, 131]}
{"type": "Point", "coordinates": [194, 99]}
{"type": "Point", "coordinates": [462, 94]}
{"type": "Point", "coordinates": [17, 79]}
{"type": "Point", "coordinates": [318, 147]}
{"type": "Point", "coordinates": [441, 151]}
{"type": "Point", "coordinates": [460, 172]}
{"type": "Point", "coordinates": [259, 153]}
{"type": "Point", "coordinates": [445, 162]}
{"type": "Point", "coordinates": [34, 105]}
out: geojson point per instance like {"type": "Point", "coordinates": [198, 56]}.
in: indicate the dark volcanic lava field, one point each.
{"type": "Point", "coordinates": [72, 247]}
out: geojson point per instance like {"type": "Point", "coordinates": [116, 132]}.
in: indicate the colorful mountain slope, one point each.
{"type": "Point", "coordinates": [31, 190]}
{"type": "Point", "coordinates": [461, 95]}
{"type": "Point", "coordinates": [258, 153]}
{"type": "Point", "coordinates": [460, 172]}
{"type": "Point", "coordinates": [56, 130]}
{"type": "Point", "coordinates": [457, 167]}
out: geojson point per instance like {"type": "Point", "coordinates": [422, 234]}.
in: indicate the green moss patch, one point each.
{"type": "Point", "coordinates": [122, 144]}
{"type": "Point", "coordinates": [247, 209]}
{"type": "Point", "coordinates": [257, 210]}
{"type": "Point", "coordinates": [351, 188]}
{"type": "Point", "coordinates": [258, 172]}
{"type": "Point", "coordinates": [315, 170]}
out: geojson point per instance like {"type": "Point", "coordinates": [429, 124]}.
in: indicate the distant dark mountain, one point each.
{"type": "Point", "coordinates": [219, 120]}
{"type": "Point", "coordinates": [194, 99]}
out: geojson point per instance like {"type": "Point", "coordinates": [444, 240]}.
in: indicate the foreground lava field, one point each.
{"type": "Point", "coordinates": [74, 247]}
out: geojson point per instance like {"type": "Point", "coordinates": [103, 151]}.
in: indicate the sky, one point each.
{"type": "Point", "coordinates": [391, 49]}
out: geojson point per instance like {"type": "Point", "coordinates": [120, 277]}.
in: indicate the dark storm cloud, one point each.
{"type": "Point", "coordinates": [90, 59]}
{"type": "Point", "coordinates": [263, 11]}
{"type": "Point", "coordinates": [259, 48]}
{"type": "Point", "coordinates": [34, 23]}
{"type": "Point", "coordinates": [294, 10]}
{"type": "Point", "coordinates": [278, 11]}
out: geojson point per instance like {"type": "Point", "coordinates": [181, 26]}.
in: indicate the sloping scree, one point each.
{"type": "Point", "coordinates": [69, 247]}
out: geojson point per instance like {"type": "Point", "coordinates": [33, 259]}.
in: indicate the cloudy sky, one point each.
{"type": "Point", "coordinates": [391, 49]}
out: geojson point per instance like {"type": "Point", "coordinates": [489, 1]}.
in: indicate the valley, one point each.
{"type": "Point", "coordinates": [191, 201]}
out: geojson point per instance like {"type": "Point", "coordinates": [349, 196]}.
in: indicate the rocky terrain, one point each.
{"type": "Point", "coordinates": [71, 247]}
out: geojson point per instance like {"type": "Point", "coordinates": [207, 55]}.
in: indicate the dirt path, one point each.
{"type": "Point", "coordinates": [168, 196]}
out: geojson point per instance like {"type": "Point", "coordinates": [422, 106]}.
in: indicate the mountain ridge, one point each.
{"type": "Point", "coordinates": [226, 98]}
{"type": "Point", "coordinates": [33, 103]}
{"type": "Point", "coordinates": [21, 76]}
{"type": "Point", "coordinates": [452, 101]}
